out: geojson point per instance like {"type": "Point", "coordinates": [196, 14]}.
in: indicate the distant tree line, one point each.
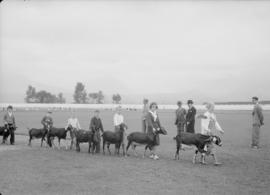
{"type": "Point", "coordinates": [80, 96]}
{"type": "Point", "coordinates": [33, 96]}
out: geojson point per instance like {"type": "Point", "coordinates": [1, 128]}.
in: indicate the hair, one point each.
{"type": "Point", "coordinates": [209, 105]}
{"type": "Point", "coordinates": [255, 98]}
{"type": "Point", "coordinates": [10, 107]}
{"type": "Point", "coordinates": [152, 104]}
{"type": "Point", "coordinates": [189, 102]}
{"type": "Point", "coordinates": [96, 111]}
{"type": "Point", "coordinates": [179, 103]}
{"type": "Point", "coordinates": [145, 101]}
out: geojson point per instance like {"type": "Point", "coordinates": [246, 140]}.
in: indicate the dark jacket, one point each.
{"type": "Point", "coordinates": [190, 117]}
{"type": "Point", "coordinates": [151, 125]}
{"type": "Point", "coordinates": [180, 116]}
{"type": "Point", "coordinates": [96, 124]}
{"type": "Point", "coordinates": [9, 119]}
{"type": "Point", "coordinates": [257, 115]}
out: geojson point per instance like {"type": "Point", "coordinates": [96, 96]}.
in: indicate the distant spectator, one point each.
{"type": "Point", "coordinates": [180, 118]}
{"type": "Point", "coordinates": [144, 113]}
{"type": "Point", "coordinates": [190, 117]}
{"type": "Point", "coordinates": [10, 125]}
{"type": "Point", "coordinates": [257, 122]}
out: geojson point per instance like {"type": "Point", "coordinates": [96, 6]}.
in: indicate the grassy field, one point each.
{"type": "Point", "coordinates": [35, 170]}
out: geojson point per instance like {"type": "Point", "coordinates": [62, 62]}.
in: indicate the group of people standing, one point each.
{"type": "Point", "coordinates": [185, 122]}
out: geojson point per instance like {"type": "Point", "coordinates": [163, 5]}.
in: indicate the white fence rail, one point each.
{"type": "Point", "coordinates": [112, 106]}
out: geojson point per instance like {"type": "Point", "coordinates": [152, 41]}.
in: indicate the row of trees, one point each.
{"type": "Point", "coordinates": [33, 96]}
{"type": "Point", "coordinates": [80, 96]}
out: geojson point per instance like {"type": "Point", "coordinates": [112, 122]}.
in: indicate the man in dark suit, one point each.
{"type": "Point", "coordinates": [257, 122]}
{"type": "Point", "coordinates": [180, 120]}
{"type": "Point", "coordinates": [190, 117]}
{"type": "Point", "coordinates": [96, 126]}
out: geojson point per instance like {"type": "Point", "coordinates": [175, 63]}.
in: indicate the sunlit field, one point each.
{"type": "Point", "coordinates": [35, 170]}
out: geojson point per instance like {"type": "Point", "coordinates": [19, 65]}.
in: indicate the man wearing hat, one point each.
{"type": "Point", "coordinates": [257, 122]}
{"type": "Point", "coordinates": [96, 126]}
{"type": "Point", "coordinates": [9, 121]}
{"type": "Point", "coordinates": [190, 118]}
{"type": "Point", "coordinates": [180, 118]}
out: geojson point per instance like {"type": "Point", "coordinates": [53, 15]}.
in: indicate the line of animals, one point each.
{"type": "Point", "coordinates": [109, 137]}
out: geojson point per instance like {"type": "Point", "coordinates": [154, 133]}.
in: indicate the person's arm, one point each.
{"type": "Point", "coordinates": [51, 122]}
{"type": "Point", "coordinates": [14, 123]}
{"type": "Point", "coordinates": [260, 115]}
{"type": "Point", "coordinates": [158, 122]}
{"type": "Point", "coordinates": [78, 125]}
{"type": "Point", "coordinates": [194, 113]}
{"type": "Point", "coordinates": [101, 126]}
{"type": "Point", "coordinates": [92, 125]}
{"type": "Point", "coordinates": [202, 116]}
{"type": "Point", "coordinates": [149, 120]}
{"type": "Point", "coordinates": [218, 127]}
{"type": "Point", "coordinates": [176, 118]}
{"type": "Point", "coordinates": [43, 121]}
{"type": "Point", "coordinates": [115, 120]}
{"type": "Point", "coordinates": [5, 119]}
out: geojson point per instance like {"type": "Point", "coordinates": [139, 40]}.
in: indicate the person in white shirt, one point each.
{"type": "Point", "coordinates": [74, 123]}
{"type": "Point", "coordinates": [209, 124]}
{"type": "Point", "coordinates": [118, 119]}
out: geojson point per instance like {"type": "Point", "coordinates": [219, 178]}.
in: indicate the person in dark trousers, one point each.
{"type": "Point", "coordinates": [47, 121]}
{"type": "Point", "coordinates": [257, 122]}
{"type": "Point", "coordinates": [190, 118]}
{"type": "Point", "coordinates": [10, 125]}
{"type": "Point", "coordinates": [96, 126]}
{"type": "Point", "coordinates": [180, 120]}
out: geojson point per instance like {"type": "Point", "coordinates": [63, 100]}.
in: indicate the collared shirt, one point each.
{"type": "Point", "coordinates": [118, 119]}
{"type": "Point", "coordinates": [154, 114]}
{"type": "Point", "coordinates": [209, 123]}
{"type": "Point", "coordinates": [74, 122]}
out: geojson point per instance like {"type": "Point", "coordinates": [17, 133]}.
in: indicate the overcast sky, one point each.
{"type": "Point", "coordinates": [178, 50]}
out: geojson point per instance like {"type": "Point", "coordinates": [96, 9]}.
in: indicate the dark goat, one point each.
{"type": "Point", "coordinates": [198, 140]}
{"type": "Point", "coordinates": [83, 136]}
{"type": "Point", "coordinates": [116, 138]}
{"type": "Point", "coordinates": [140, 138]}
{"type": "Point", "coordinates": [5, 133]}
{"type": "Point", "coordinates": [60, 133]}
{"type": "Point", "coordinates": [38, 133]}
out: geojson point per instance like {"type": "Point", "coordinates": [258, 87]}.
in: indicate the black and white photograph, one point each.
{"type": "Point", "coordinates": [134, 97]}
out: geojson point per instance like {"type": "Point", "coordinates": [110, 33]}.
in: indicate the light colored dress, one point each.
{"type": "Point", "coordinates": [209, 123]}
